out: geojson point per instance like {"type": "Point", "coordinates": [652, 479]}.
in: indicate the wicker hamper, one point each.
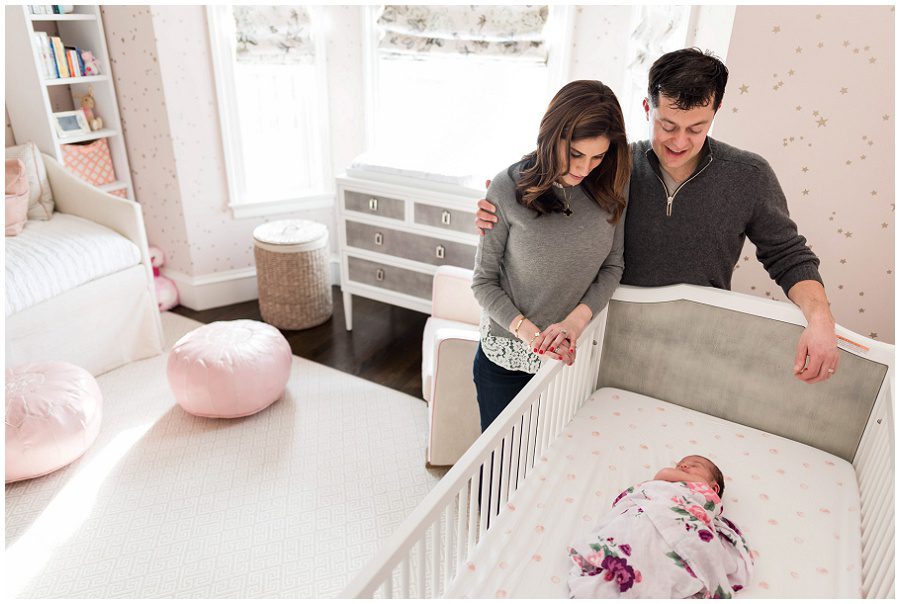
{"type": "Point", "coordinates": [292, 273]}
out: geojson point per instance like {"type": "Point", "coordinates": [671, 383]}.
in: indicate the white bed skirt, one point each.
{"type": "Point", "coordinates": [98, 326]}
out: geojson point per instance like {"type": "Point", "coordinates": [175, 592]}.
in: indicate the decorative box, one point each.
{"type": "Point", "coordinates": [90, 161]}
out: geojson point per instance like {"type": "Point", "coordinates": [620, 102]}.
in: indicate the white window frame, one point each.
{"type": "Point", "coordinates": [560, 29]}
{"type": "Point", "coordinates": [221, 51]}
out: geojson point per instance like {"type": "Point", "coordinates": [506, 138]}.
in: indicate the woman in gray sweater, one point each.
{"type": "Point", "coordinates": [554, 258]}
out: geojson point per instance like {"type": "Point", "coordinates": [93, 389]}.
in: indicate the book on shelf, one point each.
{"type": "Point", "coordinates": [59, 54]}
{"type": "Point", "coordinates": [44, 53]}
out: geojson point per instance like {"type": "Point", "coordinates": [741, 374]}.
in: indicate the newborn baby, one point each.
{"type": "Point", "coordinates": [664, 538]}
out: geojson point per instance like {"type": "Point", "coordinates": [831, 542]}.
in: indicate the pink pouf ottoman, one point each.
{"type": "Point", "coordinates": [229, 368]}
{"type": "Point", "coordinates": [53, 413]}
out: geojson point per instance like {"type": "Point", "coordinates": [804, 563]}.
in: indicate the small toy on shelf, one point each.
{"type": "Point", "coordinates": [91, 64]}
{"type": "Point", "coordinates": [166, 290]}
{"type": "Point", "coordinates": [87, 106]}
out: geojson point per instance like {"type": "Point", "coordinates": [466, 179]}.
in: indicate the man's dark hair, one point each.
{"type": "Point", "coordinates": [690, 77]}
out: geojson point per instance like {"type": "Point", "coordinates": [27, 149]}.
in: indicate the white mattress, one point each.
{"type": "Point", "coordinates": [53, 256]}
{"type": "Point", "coordinates": [797, 506]}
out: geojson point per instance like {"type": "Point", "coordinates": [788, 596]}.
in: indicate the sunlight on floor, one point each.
{"type": "Point", "coordinates": [65, 514]}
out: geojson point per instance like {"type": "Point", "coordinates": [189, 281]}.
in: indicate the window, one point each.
{"type": "Point", "coordinates": [270, 79]}
{"type": "Point", "coordinates": [460, 90]}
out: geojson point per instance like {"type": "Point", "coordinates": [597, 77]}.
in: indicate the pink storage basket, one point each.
{"type": "Point", "coordinates": [90, 161]}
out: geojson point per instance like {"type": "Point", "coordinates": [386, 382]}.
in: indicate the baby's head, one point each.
{"type": "Point", "coordinates": [696, 464]}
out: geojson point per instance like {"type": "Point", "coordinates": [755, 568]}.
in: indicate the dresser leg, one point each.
{"type": "Point", "coordinates": [348, 310]}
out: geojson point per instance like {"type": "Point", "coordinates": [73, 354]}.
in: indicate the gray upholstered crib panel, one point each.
{"type": "Point", "coordinates": [738, 367]}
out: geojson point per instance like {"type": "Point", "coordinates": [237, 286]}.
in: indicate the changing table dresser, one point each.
{"type": "Point", "coordinates": [394, 231]}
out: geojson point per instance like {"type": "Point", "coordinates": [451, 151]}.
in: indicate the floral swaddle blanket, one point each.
{"type": "Point", "coordinates": [661, 540]}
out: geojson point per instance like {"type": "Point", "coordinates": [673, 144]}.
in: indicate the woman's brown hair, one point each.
{"type": "Point", "coordinates": [581, 109]}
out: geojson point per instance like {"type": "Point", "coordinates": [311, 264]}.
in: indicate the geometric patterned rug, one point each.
{"type": "Point", "coordinates": [288, 503]}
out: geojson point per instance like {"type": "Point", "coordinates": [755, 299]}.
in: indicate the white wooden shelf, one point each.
{"type": "Point", "coordinates": [119, 184]}
{"type": "Point", "coordinates": [70, 17]}
{"type": "Point", "coordinates": [77, 80]}
{"type": "Point", "coordinates": [97, 134]}
{"type": "Point", "coordinates": [32, 102]}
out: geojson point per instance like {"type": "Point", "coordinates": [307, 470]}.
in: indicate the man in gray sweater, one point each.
{"type": "Point", "coordinates": [693, 201]}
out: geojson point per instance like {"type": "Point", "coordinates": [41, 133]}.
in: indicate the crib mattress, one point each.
{"type": "Point", "coordinates": [797, 506]}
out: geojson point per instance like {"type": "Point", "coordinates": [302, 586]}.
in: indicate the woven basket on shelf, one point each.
{"type": "Point", "coordinates": [292, 273]}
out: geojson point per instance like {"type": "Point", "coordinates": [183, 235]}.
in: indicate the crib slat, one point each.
{"type": "Point", "coordinates": [436, 574]}
{"type": "Point", "coordinates": [495, 482]}
{"type": "Point", "coordinates": [461, 518]}
{"type": "Point", "coordinates": [473, 514]}
{"type": "Point", "coordinates": [388, 586]}
{"type": "Point", "coordinates": [448, 534]}
{"type": "Point", "coordinates": [420, 575]}
{"type": "Point", "coordinates": [404, 576]}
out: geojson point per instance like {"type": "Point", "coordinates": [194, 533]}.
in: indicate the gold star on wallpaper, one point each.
{"type": "Point", "coordinates": [744, 88]}
{"type": "Point", "coordinates": [844, 91]}
{"type": "Point", "coordinates": [776, 29]}
{"type": "Point", "coordinates": [822, 122]}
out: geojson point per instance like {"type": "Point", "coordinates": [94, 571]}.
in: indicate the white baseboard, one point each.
{"type": "Point", "coordinates": [202, 292]}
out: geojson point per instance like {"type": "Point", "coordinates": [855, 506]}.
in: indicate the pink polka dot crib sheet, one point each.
{"type": "Point", "coordinates": [796, 506]}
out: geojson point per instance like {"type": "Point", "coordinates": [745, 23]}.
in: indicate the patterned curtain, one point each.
{"type": "Point", "coordinates": [488, 31]}
{"type": "Point", "coordinates": [273, 35]}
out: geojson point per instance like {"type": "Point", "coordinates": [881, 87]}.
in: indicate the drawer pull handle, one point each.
{"type": "Point", "coordinates": [373, 204]}
{"type": "Point", "coordinates": [379, 239]}
{"type": "Point", "coordinates": [445, 217]}
{"type": "Point", "coordinates": [379, 274]}
{"type": "Point", "coordinates": [439, 251]}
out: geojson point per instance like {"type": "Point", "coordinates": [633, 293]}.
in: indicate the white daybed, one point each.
{"type": "Point", "coordinates": [664, 373]}
{"type": "Point", "coordinates": [79, 287]}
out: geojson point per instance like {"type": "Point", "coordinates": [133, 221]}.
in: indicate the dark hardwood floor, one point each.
{"type": "Point", "coordinates": [384, 347]}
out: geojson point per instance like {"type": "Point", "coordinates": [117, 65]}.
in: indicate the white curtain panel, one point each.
{"type": "Point", "coordinates": [488, 31]}
{"type": "Point", "coordinates": [273, 35]}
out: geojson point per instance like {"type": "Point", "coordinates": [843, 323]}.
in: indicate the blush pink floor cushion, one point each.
{"type": "Point", "coordinates": [53, 413]}
{"type": "Point", "coordinates": [229, 368]}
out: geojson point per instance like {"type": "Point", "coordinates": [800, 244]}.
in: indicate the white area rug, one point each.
{"type": "Point", "coordinates": [289, 502]}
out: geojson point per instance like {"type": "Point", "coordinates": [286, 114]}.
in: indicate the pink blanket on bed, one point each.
{"type": "Point", "coordinates": [661, 540]}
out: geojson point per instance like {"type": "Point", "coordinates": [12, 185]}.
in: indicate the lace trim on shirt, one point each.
{"type": "Point", "coordinates": [505, 352]}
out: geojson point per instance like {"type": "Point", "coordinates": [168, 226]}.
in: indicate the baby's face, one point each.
{"type": "Point", "coordinates": [693, 464]}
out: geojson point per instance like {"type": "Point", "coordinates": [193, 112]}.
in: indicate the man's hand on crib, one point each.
{"type": "Point", "coordinates": [818, 343]}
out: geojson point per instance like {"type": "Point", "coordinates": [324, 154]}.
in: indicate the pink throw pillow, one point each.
{"type": "Point", "coordinates": [16, 197]}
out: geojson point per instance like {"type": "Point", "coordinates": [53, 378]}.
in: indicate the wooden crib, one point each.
{"type": "Point", "coordinates": [694, 357]}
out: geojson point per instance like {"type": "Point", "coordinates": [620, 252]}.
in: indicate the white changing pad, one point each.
{"type": "Point", "coordinates": [53, 256]}
{"type": "Point", "coordinates": [797, 506]}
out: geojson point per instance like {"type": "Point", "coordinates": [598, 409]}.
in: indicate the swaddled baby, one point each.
{"type": "Point", "coordinates": [664, 538]}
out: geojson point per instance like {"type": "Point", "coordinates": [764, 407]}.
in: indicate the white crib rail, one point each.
{"type": "Point", "coordinates": [874, 465]}
{"type": "Point", "coordinates": [430, 547]}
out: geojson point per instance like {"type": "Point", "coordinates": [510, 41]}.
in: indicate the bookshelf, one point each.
{"type": "Point", "coordinates": [31, 99]}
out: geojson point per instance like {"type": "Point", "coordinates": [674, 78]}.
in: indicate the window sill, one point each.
{"type": "Point", "coordinates": [282, 206]}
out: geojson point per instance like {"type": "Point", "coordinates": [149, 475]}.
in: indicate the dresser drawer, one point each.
{"type": "Point", "coordinates": [444, 218]}
{"type": "Point", "coordinates": [390, 277]}
{"type": "Point", "coordinates": [376, 205]}
{"type": "Point", "coordinates": [409, 245]}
